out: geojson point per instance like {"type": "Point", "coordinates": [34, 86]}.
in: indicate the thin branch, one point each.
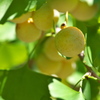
{"type": "Point", "coordinates": [77, 83]}
{"type": "Point", "coordinates": [37, 44]}
{"type": "Point", "coordinates": [89, 69]}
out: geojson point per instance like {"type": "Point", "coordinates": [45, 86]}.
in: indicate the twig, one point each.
{"type": "Point", "coordinates": [89, 69]}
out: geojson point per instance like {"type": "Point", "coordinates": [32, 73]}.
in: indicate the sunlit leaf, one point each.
{"type": "Point", "coordinates": [70, 21]}
{"type": "Point", "coordinates": [89, 2]}
{"type": "Point", "coordinates": [63, 92]}
{"type": "Point", "coordinates": [4, 5]}
{"type": "Point", "coordinates": [1, 98]}
{"type": "Point", "coordinates": [61, 19]}
{"type": "Point", "coordinates": [12, 55]}
{"type": "Point", "coordinates": [7, 31]}
{"type": "Point", "coordinates": [75, 77]}
{"type": "Point", "coordinates": [13, 8]}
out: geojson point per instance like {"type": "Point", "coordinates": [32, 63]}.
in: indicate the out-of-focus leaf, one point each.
{"type": "Point", "coordinates": [89, 2]}
{"type": "Point", "coordinates": [80, 67]}
{"type": "Point", "coordinates": [97, 62]}
{"type": "Point", "coordinates": [95, 88]}
{"type": "Point", "coordinates": [88, 57]}
{"type": "Point", "coordinates": [93, 41]}
{"type": "Point", "coordinates": [86, 89]}
{"type": "Point", "coordinates": [4, 5]}
{"type": "Point", "coordinates": [40, 3]}
{"type": "Point", "coordinates": [75, 77]}
{"type": "Point", "coordinates": [97, 1]}
{"type": "Point", "coordinates": [14, 8]}
{"type": "Point", "coordinates": [24, 84]}
{"type": "Point", "coordinates": [91, 22]}
{"type": "Point", "coordinates": [61, 19]}
{"type": "Point", "coordinates": [1, 98]}
{"type": "Point", "coordinates": [70, 21]}
{"type": "Point", "coordinates": [98, 97]}
{"type": "Point", "coordinates": [12, 55]}
{"type": "Point", "coordinates": [63, 92]}
{"type": "Point", "coordinates": [7, 31]}
{"type": "Point", "coordinates": [81, 26]}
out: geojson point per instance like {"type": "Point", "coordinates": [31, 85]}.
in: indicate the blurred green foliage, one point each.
{"type": "Point", "coordinates": [18, 82]}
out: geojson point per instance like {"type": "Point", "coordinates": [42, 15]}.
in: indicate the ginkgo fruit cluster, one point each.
{"type": "Point", "coordinates": [46, 17]}
{"type": "Point", "coordinates": [29, 26]}
{"type": "Point", "coordinates": [67, 42]}
{"type": "Point", "coordinates": [49, 61]}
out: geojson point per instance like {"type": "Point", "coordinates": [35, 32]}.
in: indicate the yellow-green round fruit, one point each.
{"type": "Point", "coordinates": [70, 41]}
{"type": "Point", "coordinates": [22, 18]}
{"type": "Point", "coordinates": [47, 66]}
{"type": "Point", "coordinates": [27, 32]}
{"type": "Point", "coordinates": [43, 18]}
{"type": "Point", "coordinates": [50, 50]}
{"type": "Point", "coordinates": [67, 69]}
{"type": "Point", "coordinates": [63, 5]}
{"type": "Point", "coordinates": [84, 11]}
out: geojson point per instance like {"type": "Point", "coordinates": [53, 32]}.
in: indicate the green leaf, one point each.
{"type": "Point", "coordinates": [4, 5]}
{"type": "Point", "coordinates": [61, 19]}
{"type": "Point", "coordinates": [95, 88]}
{"type": "Point", "coordinates": [97, 1]}
{"type": "Point", "coordinates": [89, 2]}
{"type": "Point", "coordinates": [40, 3]}
{"type": "Point", "coordinates": [7, 32]}
{"type": "Point", "coordinates": [88, 57]}
{"type": "Point", "coordinates": [93, 41]}
{"type": "Point", "coordinates": [81, 26]}
{"type": "Point", "coordinates": [24, 84]}
{"type": "Point", "coordinates": [1, 98]}
{"type": "Point", "coordinates": [91, 22]}
{"type": "Point", "coordinates": [71, 20]}
{"type": "Point", "coordinates": [63, 92]}
{"type": "Point", "coordinates": [12, 55]}
{"type": "Point", "coordinates": [97, 62]}
{"type": "Point", "coordinates": [86, 89]}
{"type": "Point", "coordinates": [14, 8]}
{"type": "Point", "coordinates": [75, 77]}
